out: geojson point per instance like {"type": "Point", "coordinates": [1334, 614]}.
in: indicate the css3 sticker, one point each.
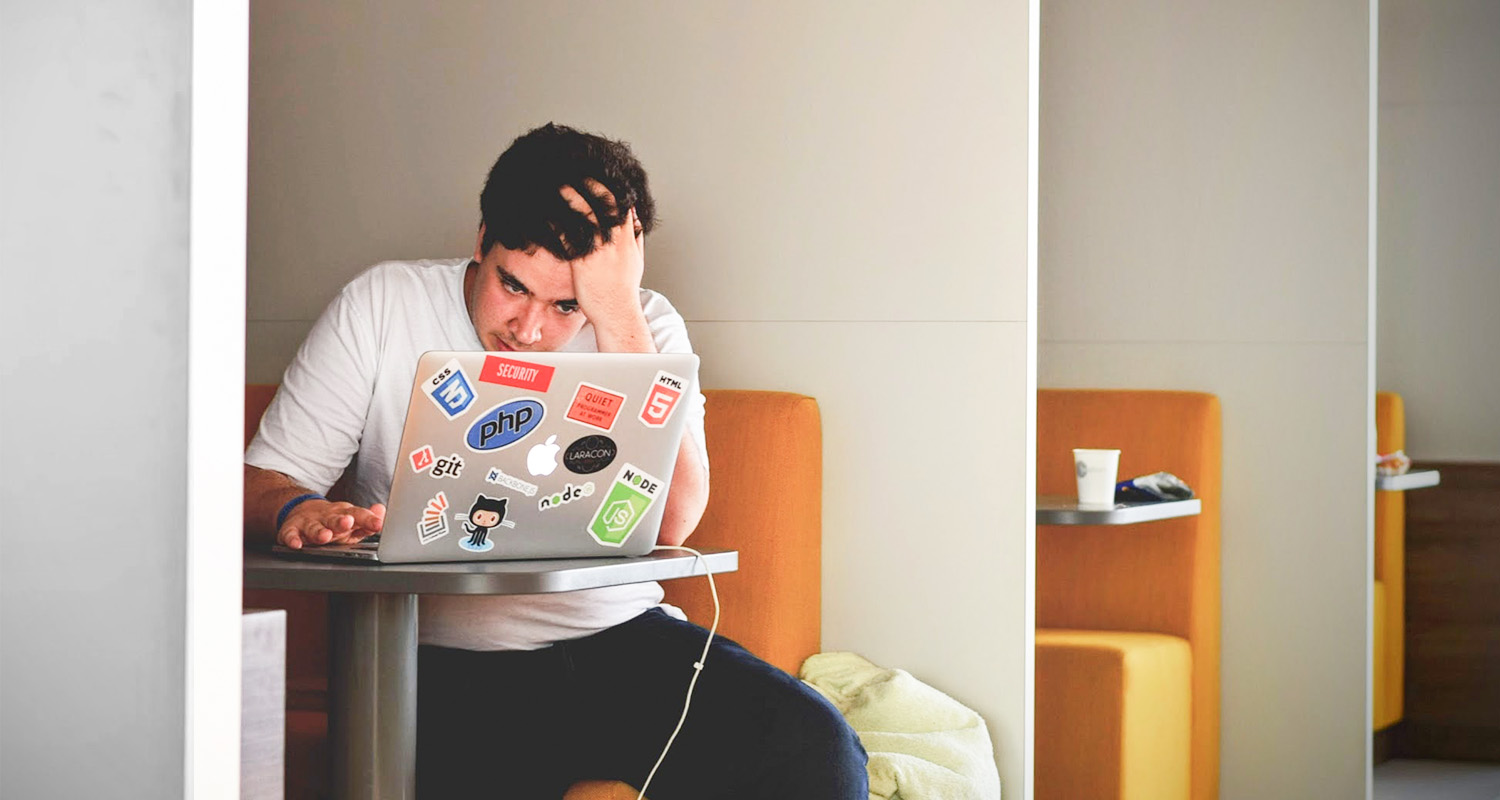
{"type": "Point", "coordinates": [504, 425]}
{"type": "Point", "coordinates": [666, 390]}
{"type": "Point", "coordinates": [450, 390]}
{"type": "Point", "coordinates": [626, 503]}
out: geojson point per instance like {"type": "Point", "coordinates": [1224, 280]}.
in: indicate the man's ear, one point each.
{"type": "Point", "coordinates": [479, 245]}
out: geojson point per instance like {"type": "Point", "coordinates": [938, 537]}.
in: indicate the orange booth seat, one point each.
{"type": "Point", "coordinates": [762, 446]}
{"type": "Point", "coordinates": [1128, 626]}
{"type": "Point", "coordinates": [1389, 591]}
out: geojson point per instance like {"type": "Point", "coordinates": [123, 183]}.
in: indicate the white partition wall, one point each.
{"type": "Point", "coordinates": [843, 196]}
{"type": "Point", "coordinates": [1204, 225]}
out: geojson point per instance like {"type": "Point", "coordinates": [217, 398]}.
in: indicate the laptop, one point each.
{"type": "Point", "coordinates": [531, 455]}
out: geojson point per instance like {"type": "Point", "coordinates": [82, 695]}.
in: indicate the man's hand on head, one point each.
{"type": "Point", "coordinates": [313, 523]}
{"type": "Point", "coordinates": [607, 282]}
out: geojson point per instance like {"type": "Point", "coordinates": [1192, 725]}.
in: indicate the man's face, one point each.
{"type": "Point", "coordinates": [521, 301]}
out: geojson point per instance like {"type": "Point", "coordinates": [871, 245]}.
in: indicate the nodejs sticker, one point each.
{"type": "Point", "coordinates": [629, 497]}
{"type": "Point", "coordinates": [501, 478]}
{"type": "Point", "coordinates": [590, 454]}
{"type": "Point", "coordinates": [505, 424]}
{"type": "Point", "coordinates": [521, 374]}
{"type": "Point", "coordinates": [434, 523]}
{"type": "Point", "coordinates": [421, 458]}
{"type": "Point", "coordinates": [567, 495]}
{"type": "Point", "coordinates": [595, 406]}
{"type": "Point", "coordinates": [484, 514]}
{"type": "Point", "coordinates": [450, 390]}
{"type": "Point", "coordinates": [666, 390]}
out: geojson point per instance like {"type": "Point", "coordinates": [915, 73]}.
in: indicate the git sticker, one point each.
{"type": "Point", "coordinates": [434, 523]}
{"type": "Point", "coordinates": [421, 458]}
{"type": "Point", "coordinates": [595, 406]}
{"type": "Point", "coordinates": [521, 374]}
{"type": "Point", "coordinates": [666, 390]}
{"type": "Point", "coordinates": [627, 501]}
{"type": "Point", "coordinates": [450, 390]}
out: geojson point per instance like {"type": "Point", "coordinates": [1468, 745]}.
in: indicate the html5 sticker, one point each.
{"type": "Point", "coordinates": [595, 406]}
{"type": "Point", "coordinates": [661, 401]}
{"type": "Point", "coordinates": [521, 374]}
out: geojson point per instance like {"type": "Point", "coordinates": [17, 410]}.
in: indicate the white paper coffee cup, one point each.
{"type": "Point", "coordinates": [1096, 470]}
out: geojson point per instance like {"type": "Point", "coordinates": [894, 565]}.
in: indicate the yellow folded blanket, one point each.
{"type": "Point", "coordinates": [923, 744]}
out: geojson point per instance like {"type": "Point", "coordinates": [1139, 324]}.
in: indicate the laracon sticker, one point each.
{"type": "Point", "coordinates": [500, 478]}
{"type": "Point", "coordinates": [629, 497]}
{"type": "Point", "coordinates": [434, 524]}
{"type": "Point", "coordinates": [589, 454]}
{"type": "Point", "coordinates": [595, 406]}
{"type": "Point", "coordinates": [421, 458]}
{"type": "Point", "coordinates": [505, 424]}
{"type": "Point", "coordinates": [484, 514]}
{"type": "Point", "coordinates": [450, 390]}
{"type": "Point", "coordinates": [521, 374]}
{"type": "Point", "coordinates": [448, 466]}
{"type": "Point", "coordinates": [666, 390]}
{"type": "Point", "coordinates": [567, 495]}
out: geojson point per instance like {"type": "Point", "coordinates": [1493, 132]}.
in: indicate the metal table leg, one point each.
{"type": "Point", "coordinates": [372, 720]}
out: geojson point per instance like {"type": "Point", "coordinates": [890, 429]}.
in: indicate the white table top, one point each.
{"type": "Point", "coordinates": [1064, 510]}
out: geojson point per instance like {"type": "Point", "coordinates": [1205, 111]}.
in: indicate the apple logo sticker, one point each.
{"type": "Point", "coordinates": [542, 459]}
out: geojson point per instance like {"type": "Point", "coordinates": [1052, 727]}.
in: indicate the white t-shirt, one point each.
{"type": "Point", "coordinates": [344, 397]}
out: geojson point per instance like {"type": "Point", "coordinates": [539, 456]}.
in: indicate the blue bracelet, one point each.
{"type": "Point", "coordinates": [291, 504]}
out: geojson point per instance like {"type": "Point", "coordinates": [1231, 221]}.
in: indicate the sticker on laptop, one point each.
{"type": "Point", "coordinates": [520, 374]}
{"type": "Point", "coordinates": [567, 495]}
{"type": "Point", "coordinates": [542, 459]}
{"type": "Point", "coordinates": [450, 390]}
{"type": "Point", "coordinates": [484, 514]}
{"type": "Point", "coordinates": [421, 458]}
{"type": "Point", "coordinates": [623, 507]}
{"type": "Point", "coordinates": [448, 466]}
{"type": "Point", "coordinates": [434, 523]}
{"type": "Point", "coordinates": [505, 424]}
{"type": "Point", "coordinates": [499, 477]}
{"type": "Point", "coordinates": [590, 454]}
{"type": "Point", "coordinates": [666, 390]}
{"type": "Point", "coordinates": [595, 406]}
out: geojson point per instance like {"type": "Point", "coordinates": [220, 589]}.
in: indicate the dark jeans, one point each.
{"type": "Point", "coordinates": [529, 724]}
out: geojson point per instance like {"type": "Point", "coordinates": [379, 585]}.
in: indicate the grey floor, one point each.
{"type": "Point", "coordinates": [1403, 779]}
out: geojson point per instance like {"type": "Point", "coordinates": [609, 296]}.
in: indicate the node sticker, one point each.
{"type": "Point", "coordinates": [450, 390]}
{"type": "Point", "coordinates": [590, 454]}
{"type": "Point", "coordinates": [448, 466]}
{"type": "Point", "coordinates": [629, 497]}
{"type": "Point", "coordinates": [505, 424]}
{"type": "Point", "coordinates": [521, 374]}
{"type": "Point", "coordinates": [421, 458]}
{"type": "Point", "coordinates": [500, 478]}
{"type": "Point", "coordinates": [484, 514]}
{"type": "Point", "coordinates": [434, 524]}
{"type": "Point", "coordinates": [567, 495]}
{"type": "Point", "coordinates": [666, 390]}
{"type": "Point", "coordinates": [595, 406]}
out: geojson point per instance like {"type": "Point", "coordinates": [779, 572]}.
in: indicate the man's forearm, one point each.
{"type": "Point", "coordinates": [688, 495]}
{"type": "Point", "coordinates": [266, 491]}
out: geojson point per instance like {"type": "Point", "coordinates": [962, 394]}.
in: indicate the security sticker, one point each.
{"type": "Point", "coordinates": [484, 514]}
{"type": "Point", "coordinates": [521, 374]}
{"type": "Point", "coordinates": [595, 406]}
{"type": "Point", "coordinates": [434, 523]}
{"type": "Point", "coordinates": [450, 390]}
{"type": "Point", "coordinates": [589, 454]}
{"type": "Point", "coordinates": [501, 478]}
{"type": "Point", "coordinates": [567, 495]}
{"type": "Point", "coordinates": [505, 424]}
{"type": "Point", "coordinates": [666, 390]}
{"type": "Point", "coordinates": [629, 497]}
{"type": "Point", "coordinates": [421, 458]}
{"type": "Point", "coordinates": [448, 466]}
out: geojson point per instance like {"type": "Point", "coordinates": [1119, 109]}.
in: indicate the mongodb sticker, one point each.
{"type": "Point", "coordinates": [624, 505]}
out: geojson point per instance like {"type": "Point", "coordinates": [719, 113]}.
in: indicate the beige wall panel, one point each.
{"type": "Point", "coordinates": [1202, 172]}
{"type": "Point", "coordinates": [1295, 517]}
{"type": "Point", "coordinates": [1439, 53]}
{"type": "Point", "coordinates": [792, 145]}
{"type": "Point", "coordinates": [924, 517]}
{"type": "Point", "coordinates": [269, 348]}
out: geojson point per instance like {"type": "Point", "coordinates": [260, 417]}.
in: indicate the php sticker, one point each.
{"type": "Point", "coordinates": [450, 390]}
{"type": "Point", "coordinates": [501, 478]}
{"type": "Point", "coordinates": [629, 497]}
{"type": "Point", "coordinates": [595, 406]}
{"type": "Point", "coordinates": [666, 390]}
{"type": "Point", "coordinates": [434, 523]}
{"type": "Point", "coordinates": [421, 458]}
{"type": "Point", "coordinates": [521, 374]}
{"type": "Point", "coordinates": [590, 454]}
{"type": "Point", "coordinates": [567, 495]}
{"type": "Point", "coordinates": [504, 425]}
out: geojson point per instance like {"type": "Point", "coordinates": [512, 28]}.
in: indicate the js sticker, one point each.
{"type": "Point", "coordinates": [450, 390]}
{"type": "Point", "coordinates": [666, 390]}
{"type": "Point", "coordinates": [624, 506]}
{"type": "Point", "coordinates": [504, 425]}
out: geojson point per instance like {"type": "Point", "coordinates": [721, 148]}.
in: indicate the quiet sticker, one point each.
{"type": "Point", "coordinates": [506, 372]}
{"type": "Point", "coordinates": [595, 406]}
{"type": "Point", "coordinates": [629, 497]}
{"type": "Point", "coordinates": [449, 389]}
{"type": "Point", "coordinates": [666, 390]}
{"type": "Point", "coordinates": [434, 524]}
{"type": "Point", "coordinates": [421, 458]}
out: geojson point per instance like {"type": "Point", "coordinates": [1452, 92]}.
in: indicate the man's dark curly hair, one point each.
{"type": "Point", "coordinates": [521, 206]}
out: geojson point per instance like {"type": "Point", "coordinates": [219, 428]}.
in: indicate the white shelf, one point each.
{"type": "Point", "coordinates": [1064, 510]}
{"type": "Point", "coordinates": [1420, 479]}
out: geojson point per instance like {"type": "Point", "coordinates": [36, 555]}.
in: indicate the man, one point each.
{"type": "Point", "coordinates": [520, 696]}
